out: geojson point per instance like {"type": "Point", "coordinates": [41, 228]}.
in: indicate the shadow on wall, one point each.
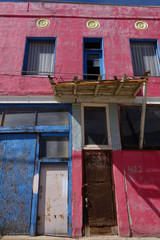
{"type": "Point", "coordinates": [141, 171]}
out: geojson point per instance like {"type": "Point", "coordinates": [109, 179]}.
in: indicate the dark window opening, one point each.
{"type": "Point", "coordinates": [92, 45]}
{"type": "Point", "coordinates": [93, 59]}
{"type": "Point", "coordinates": [95, 126]}
{"type": "Point", "coordinates": [93, 66]}
{"type": "Point", "coordinates": [130, 118]}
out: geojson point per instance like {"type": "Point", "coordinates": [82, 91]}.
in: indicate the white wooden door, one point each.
{"type": "Point", "coordinates": [53, 200]}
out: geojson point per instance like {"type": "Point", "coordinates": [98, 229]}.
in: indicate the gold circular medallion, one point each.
{"type": "Point", "coordinates": [42, 23]}
{"type": "Point", "coordinates": [92, 24]}
{"type": "Point", "coordinates": [141, 25]}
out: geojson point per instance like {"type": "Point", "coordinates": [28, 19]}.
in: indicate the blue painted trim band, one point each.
{"type": "Point", "coordinates": [54, 160]}
{"type": "Point", "coordinates": [37, 105]}
{"type": "Point", "coordinates": [34, 212]}
{"type": "Point", "coordinates": [57, 134]}
{"type": "Point", "coordinates": [55, 129]}
{"type": "Point", "coordinates": [111, 2]}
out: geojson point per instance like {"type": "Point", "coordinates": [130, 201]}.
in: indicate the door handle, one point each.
{"type": "Point", "coordinates": [87, 203]}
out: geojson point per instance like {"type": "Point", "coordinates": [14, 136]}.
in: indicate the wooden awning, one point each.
{"type": "Point", "coordinates": [127, 86]}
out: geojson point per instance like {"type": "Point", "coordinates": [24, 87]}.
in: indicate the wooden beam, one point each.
{"type": "Point", "coordinates": [103, 82]}
{"type": "Point", "coordinates": [118, 89]}
{"type": "Point", "coordinates": [50, 79]}
{"type": "Point", "coordinates": [99, 78]}
{"type": "Point", "coordinates": [137, 89]}
{"type": "Point", "coordinates": [124, 78]}
{"type": "Point", "coordinates": [75, 78]}
{"type": "Point", "coordinates": [75, 90]}
{"type": "Point", "coordinates": [143, 115]}
{"type": "Point", "coordinates": [96, 90]}
{"type": "Point", "coordinates": [54, 90]}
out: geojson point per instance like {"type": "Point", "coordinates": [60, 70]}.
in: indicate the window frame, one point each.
{"type": "Point", "coordinates": [95, 146]}
{"type": "Point", "coordinates": [146, 40]}
{"type": "Point", "coordinates": [99, 51]}
{"type": "Point", "coordinates": [26, 53]}
{"type": "Point", "coordinates": [36, 128]}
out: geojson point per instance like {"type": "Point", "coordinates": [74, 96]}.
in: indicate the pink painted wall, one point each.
{"type": "Point", "coordinates": [68, 25]}
{"type": "Point", "coordinates": [120, 194]}
{"type": "Point", "coordinates": [77, 209]}
{"type": "Point", "coordinates": [136, 175]}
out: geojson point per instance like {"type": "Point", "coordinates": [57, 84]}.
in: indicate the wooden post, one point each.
{"type": "Point", "coordinates": [143, 115]}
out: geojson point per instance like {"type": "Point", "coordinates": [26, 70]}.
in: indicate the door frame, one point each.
{"type": "Point", "coordinates": [98, 147]}
{"type": "Point", "coordinates": [36, 183]}
{"type": "Point", "coordinates": [69, 208]}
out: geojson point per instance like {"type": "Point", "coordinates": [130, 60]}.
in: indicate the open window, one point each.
{"type": "Point", "coordinates": [130, 118]}
{"type": "Point", "coordinates": [39, 56]}
{"type": "Point", "coordinates": [93, 62]}
{"type": "Point", "coordinates": [145, 56]}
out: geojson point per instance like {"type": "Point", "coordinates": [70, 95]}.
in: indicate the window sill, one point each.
{"type": "Point", "coordinates": [36, 76]}
{"type": "Point", "coordinates": [97, 147]}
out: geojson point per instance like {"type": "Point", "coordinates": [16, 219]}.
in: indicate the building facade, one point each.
{"type": "Point", "coordinates": [79, 119]}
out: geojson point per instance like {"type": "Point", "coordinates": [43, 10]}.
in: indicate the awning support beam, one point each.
{"type": "Point", "coordinates": [143, 115]}
{"type": "Point", "coordinates": [138, 89]}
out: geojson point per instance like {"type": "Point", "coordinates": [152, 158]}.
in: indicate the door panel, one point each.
{"type": "Point", "coordinates": [98, 190]}
{"type": "Point", "coordinates": [17, 155]}
{"type": "Point", "coordinates": [53, 200]}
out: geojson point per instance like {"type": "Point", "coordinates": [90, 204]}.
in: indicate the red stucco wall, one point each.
{"type": "Point", "coordinates": [120, 194]}
{"type": "Point", "coordinates": [137, 192]}
{"type": "Point", "coordinates": [77, 210]}
{"type": "Point", "coordinates": [68, 25]}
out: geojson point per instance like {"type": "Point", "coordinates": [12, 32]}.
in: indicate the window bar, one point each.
{"type": "Point", "coordinates": [36, 117]}
{"type": "Point", "coordinates": [2, 120]}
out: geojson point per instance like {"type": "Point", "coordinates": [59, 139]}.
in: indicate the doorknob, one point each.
{"type": "Point", "coordinates": [87, 203]}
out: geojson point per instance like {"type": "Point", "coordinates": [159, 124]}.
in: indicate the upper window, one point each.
{"type": "Point", "coordinates": [93, 63]}
{"type": "Point", "coordinates": [130, 127]}
{"type": "Point", "coordinates": [145, 57]}
{"type": "Point", "coordinates": [39, 56]}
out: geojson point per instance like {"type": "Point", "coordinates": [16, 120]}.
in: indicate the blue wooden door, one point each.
{"type": "Point", "coordinates": [17, 156]}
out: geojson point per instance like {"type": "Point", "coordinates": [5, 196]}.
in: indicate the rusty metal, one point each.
{"type": "Point", "coordinates": [99, 206]}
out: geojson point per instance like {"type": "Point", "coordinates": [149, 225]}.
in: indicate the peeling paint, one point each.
{"type": "Point", "coordinates": [16, 184]}
{"type": "Point", "coordinates": [35, 183]}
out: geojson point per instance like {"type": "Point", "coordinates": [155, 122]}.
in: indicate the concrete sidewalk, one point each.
{"type": "Point", "coordinates": [103, 237]}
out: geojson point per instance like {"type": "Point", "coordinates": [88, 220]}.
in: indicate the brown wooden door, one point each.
{"type": "Point", "coordinates": [99, 207]}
